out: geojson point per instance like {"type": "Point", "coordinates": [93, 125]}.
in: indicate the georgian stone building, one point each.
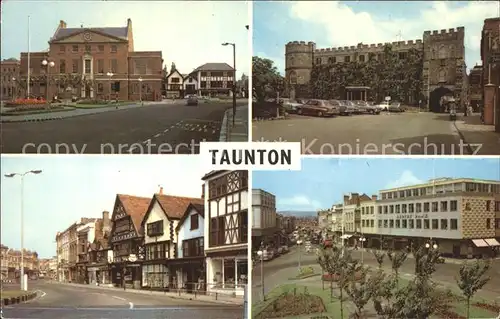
{"type": "Point", "coordinates": [91, 63]}
{"type": "Point", "coordinates": [443, 69]}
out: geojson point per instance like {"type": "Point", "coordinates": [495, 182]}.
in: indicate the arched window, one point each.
{"type": "Point", "coordinates": [442, 52]}
{"type": "Point", "coordinates": [293, 77]}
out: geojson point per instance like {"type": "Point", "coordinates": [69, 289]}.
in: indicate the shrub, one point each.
{"type": "Point", "coordinates": [335, 277]}
{"type": "Point", "coordinates": [91, 102]}
{"type": "Point", "coordinates": [31, 107]}
{"type": "Point", "coordinates": [25, 102]}
{"type": "Point", "coordinates": [304, 271]}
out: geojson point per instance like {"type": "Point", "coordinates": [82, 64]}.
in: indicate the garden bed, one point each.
{"type": "Point", "coordinates": [292, 304]}
{"type": "Point", "coordinates": [37, 109]}
{"type": "Point", "coordinates": [487, 306]}
{"type": "Point", "coordinates": [336, 277]}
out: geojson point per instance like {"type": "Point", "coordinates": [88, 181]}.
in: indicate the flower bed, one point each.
{"type": "Point", "coordinates": [290, 304]}
{"type": "Point", "coordinates": [448, 314]}
{"type": "Point", "coordinates": [25, 102]}
{"type": "Point", "coordinates": [336, 277]}
{"type": "Point", "coordinates": [92, 102]}
{"type": "Point", "coordinates": [31, 108]}
{"type": "Point", "coordinates": [489, 307]}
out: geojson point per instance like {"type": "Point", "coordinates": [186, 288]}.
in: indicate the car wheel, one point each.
{"type": "Point", "coordinates": [320, 114]}
{"type": "Point", "coordinates": [299, 111]}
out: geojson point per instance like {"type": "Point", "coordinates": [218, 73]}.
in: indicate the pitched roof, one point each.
{"type": "Point", "coordinates": [118, 32]}
{"type": "Point", "coordinates": [174, 207]}
{"type": "Point", "coordinates": [214, 67]}
{"type": "Point", "coordinates": [212, 173]}
{"type": "Point", "coordinates": [136, 207]}
{"type": "Point", "coordinates": [200, 208]}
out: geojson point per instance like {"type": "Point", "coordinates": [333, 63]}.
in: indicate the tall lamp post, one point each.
{"type": "Point", "coordinates": [299, 243]}
{"type": "Point", "coordinates": [234, 77]}
{"type": "Point", "coordinates": [110, 75]}
{"type": "Point", "coordinates": [13, 87]}
{"type": "Point", "coordinates": [260, 253]}
{"type": "Point", "coordinates": [140, 90]}
{"type": "Point", "coordinates": [24, 284]}
{"type": "Point", "coordinates": [48, 64]}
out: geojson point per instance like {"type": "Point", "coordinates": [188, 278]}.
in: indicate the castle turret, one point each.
{"type": "Point", "coordinates": [299, 60]}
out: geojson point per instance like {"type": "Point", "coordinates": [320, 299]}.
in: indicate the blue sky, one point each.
{"type": "Point", "coordinates": [71, 187]}
{"type": "Point", "coordinates": [346, 23]}
{"type": "Point", "coordinates": [322, 182]}
{"type": "Point", "coordinates": [189, 35]}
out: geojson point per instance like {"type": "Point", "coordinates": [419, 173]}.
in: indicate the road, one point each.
{"type": "Point", "coordinates": [410, 133]}
{"type": "Point", "coordinates": [281, 269]}
{"type": "Point", "coordinates": [58, 301]}
{"type": "Point", "coordinates": [153, 129]}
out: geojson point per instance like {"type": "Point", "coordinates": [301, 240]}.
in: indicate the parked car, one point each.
{"type": "Point", "coordinates": [344, 108]}
{"type": "Point", "coordinates": [319, 108]}
{"type": "Point", "coordinates": [383, 106]}
{"type": "Point", "coordinates": [396, 107]}
{"type": "Point", "coordinates": [290, 105]}
{"type": "Point", "coordinates": [354, 107]}
{"type": "Point", "coordinates": [192, 100]}
{"type": "Point", "coordinates": [285, 249]}
{"type": "Point", "coordinates": [367, 107]}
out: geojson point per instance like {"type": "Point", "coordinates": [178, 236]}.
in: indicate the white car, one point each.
{"type": "Point", "coordinates": [383, 106]}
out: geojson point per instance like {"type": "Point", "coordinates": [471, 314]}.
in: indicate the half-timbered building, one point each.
{"type": "Point", "coordinates": [160, 238]}
{"type": "Point", "coordinates": [127, 240]}
{"type": "Point", "coordinates": [100, 253]}
{"type": "Point", "coordinates": [190, 249]}
{"type": "Point", "coordinates": [226, 230]}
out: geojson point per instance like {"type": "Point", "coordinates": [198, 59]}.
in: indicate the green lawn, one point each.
{"type": "Point", "coordinates": [332, 305]}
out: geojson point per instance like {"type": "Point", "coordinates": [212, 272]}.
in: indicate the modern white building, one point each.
{"type": "Point", "coordinates": [226, 231]}
{"type": "Point", "coordinates": [263, 217]}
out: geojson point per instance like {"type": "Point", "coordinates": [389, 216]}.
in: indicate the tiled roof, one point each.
{"type": "Point", "coordinates": [214, 67]}
{"type": "Point", "coordinates": [175, 206]}
{"type": "Point", "coordinates": [119, 32]}
{"type": "Point", "coordinates": [136, 207]}
{"type": "Point", "coordinates": [200, 208]}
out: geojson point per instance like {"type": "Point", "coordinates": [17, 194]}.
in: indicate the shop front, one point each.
{"type": "Point", "coordinates": [126, 275]}
{"type": "Point", "coordinates": [189, 273]}
{"type": "Point", "coordinates": [99, 274]}
{"type": "Point", "coordinates": [155, 276]}
{"type": "Point", "coordinates": [227, 272]}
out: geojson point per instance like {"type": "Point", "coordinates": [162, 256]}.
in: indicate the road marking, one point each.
{"type": "Point", "coordinates": [157, 135]}
{"type": "Point", "coordinates": [131, 305]}
{"type": "Point", "coordinates": [119, 298]}
{"type": "Point", "coordinates": [166, 130]}
{"type": "Point", "coordinates": [146, 141]}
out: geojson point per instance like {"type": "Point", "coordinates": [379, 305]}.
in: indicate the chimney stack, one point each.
{"type": "Point", "coordinates": [374, 197]}
{"type": "Point", "coordinates": [161, 191]}
{"type": "Point", "coordinates": [62, 24]}
{"type": "Point", "coordinates": [106, 222]}
{"type": "Point", "coordinates": [129, 22]}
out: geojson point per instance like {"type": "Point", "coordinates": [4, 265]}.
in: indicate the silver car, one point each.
{"type": "Point", "coordinates": [355, 109]}
{"type": "Point", "coordinates": [290, 105]}
{"type": "Point", "coordinates": [344, 108]}
{"type": "Point", "coordinates": [368, 107]}
{"type": "Point", "coordinates": [396, 107]}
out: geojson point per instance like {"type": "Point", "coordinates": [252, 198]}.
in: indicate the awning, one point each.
{"type": "Point", "coordinates": [492, 242]}
{"type": "Point", "coordinates": [480, 243]}
{"type": "Point", "coordinates": [345, 236]}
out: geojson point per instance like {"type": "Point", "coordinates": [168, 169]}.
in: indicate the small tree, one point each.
{"type": "Point", "coordinates": [379, 257]}
{"type": "Point", "coordinates": [472, 277]}
{"type": "Point", "coordinates": [361, 289]}
{"type": "Point", "coordinates": [397, 260]}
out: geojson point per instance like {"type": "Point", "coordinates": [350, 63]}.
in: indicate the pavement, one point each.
{"type": "Point", "coordinates": [237, 132]}
{"type": "Point", "coordinates": [56, 301]}
{"type": "Point", "coordinates": [155, 128]}
{"type": "Point", "coordinates": [278, 271]}
{"type": "Point", "coordinates": [471, 128]}
{"type": "Point", "coordinates": [408, 133]}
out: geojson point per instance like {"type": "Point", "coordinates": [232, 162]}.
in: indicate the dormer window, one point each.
{"type": "Point", "coordinates": [155, 228]}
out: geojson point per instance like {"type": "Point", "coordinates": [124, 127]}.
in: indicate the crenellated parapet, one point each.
{"type": "Point", "coordinates": [444, 34]}
{"type": "Point", "coordinates": [371, 48]}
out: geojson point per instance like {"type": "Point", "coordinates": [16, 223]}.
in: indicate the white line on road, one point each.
{"type": "Point", "coordinates": [146, 141]}
{"type": "Point", "coordinates": [157, 135]}
{"type": "Point", "coordinates": [131, 305]}
{"type": "Point", "coordinates": [119, 298]}
{"type": "Point", "coordinates": [166, 130]}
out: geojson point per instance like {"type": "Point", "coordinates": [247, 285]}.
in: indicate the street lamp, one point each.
{"type": "Point", "coordinates": [48, 64]}
{"type": "Point", "coordinates": [234, 77]}
{"type": "Point", "coordinates": [13, 84]}
{"type": "Point", "coordinates": [24, 283]}
{"type": "Point", "coordinates": [140, 89]}
{"type": "Point", "coordinates": [362, 240]}
{"type": "Point", "coordinates": [299, 242]}
{"type": "Point", "coordinates": [260, 253]}
{"type": "Point", "coordinates": [434, 246]}
{"type": "Point", "coordinates": [110, 75]}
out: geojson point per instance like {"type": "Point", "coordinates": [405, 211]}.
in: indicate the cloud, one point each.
{"type": "Point", "coordinates": [407, 178]}
{"type": "Point", "coordinates": [299, 202]}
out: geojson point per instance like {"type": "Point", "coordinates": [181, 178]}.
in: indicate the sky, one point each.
{"type": "Point", "coordinates": [347, 23]}
{"type": "Point", "coordinates": [189, 35]}
{"type": "Point", "coordinates": [71, 187]}
{"type": "Point", "coordinates": [322, 182]}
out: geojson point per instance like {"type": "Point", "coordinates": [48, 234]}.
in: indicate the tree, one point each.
{"type": "Point", "coordinates": [397, 260]}
{"type": "Point", "coordinates": [379, 257]}
{"type": "Point", "coordinates": [361, 289]}
{"type": "Point", "coordinates": [472, 277]}
{"type": "Point", "coordinates": [265, 77]}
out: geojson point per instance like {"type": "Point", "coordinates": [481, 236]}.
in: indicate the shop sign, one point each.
{"type": "Point", "coordinates": [411, 216]}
